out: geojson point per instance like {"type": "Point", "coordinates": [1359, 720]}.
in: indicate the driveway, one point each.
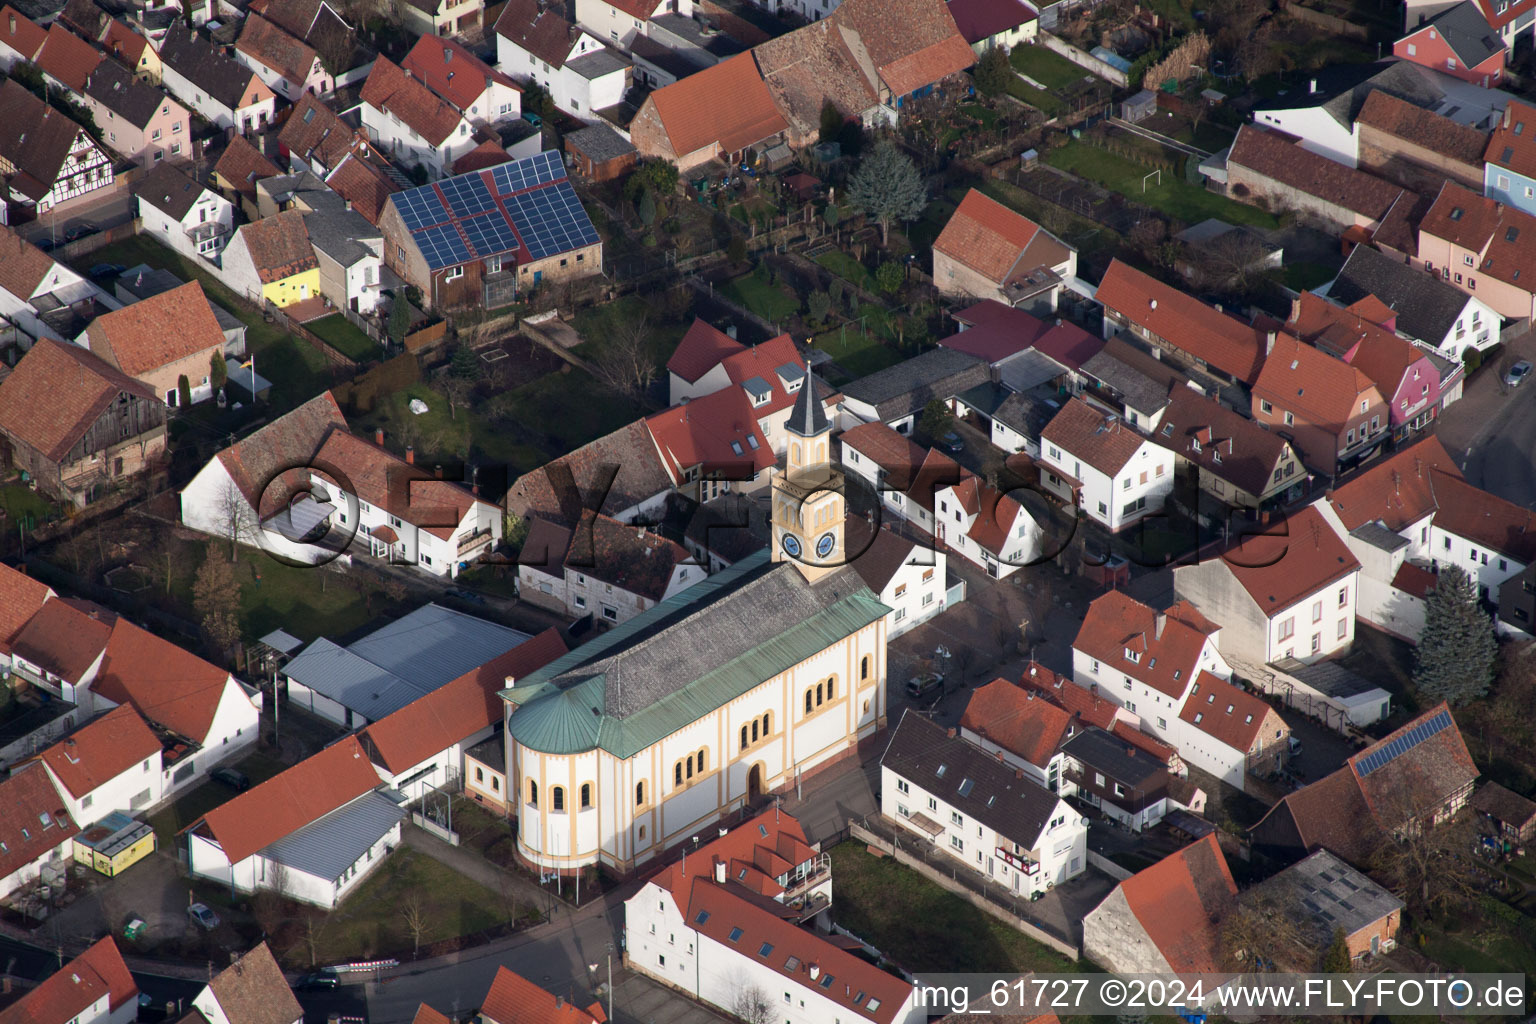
{"type": "Point", "coordinates": [1491, 430]}
{"type": "Point", "coordinates": [638, 1000]}
{"type": "Point", "coordinates": [107, 211]}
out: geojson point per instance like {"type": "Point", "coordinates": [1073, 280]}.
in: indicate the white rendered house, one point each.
{"type": "Point", "coordinates": [1102, 465]}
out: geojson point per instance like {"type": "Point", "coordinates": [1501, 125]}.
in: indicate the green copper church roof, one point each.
{"type": "Point", "coordinates": [685, 657]}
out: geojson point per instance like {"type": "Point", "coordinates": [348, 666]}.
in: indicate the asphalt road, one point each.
{"type": "Point", "coordinates": [1491, 430]}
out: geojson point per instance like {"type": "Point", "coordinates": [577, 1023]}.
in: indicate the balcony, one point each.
{"type": "Point", "coordinates": [472, 542]}
{"type": "Point", "coordinates": [819, 872]}
{"type": "Point", "coordinates": [1019, 862]}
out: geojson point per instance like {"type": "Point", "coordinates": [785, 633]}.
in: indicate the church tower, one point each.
{"type": "Point", "coordinates": [808, 503]}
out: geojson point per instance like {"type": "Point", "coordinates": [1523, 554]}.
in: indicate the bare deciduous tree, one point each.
{"type": "Point", "coordinates": [1428, 863]}
{"type": "Point", "coordinates": [751, 1003]}
{"type": "Point", "coordinates": [316, 926]}
{"type": "Point", "coordinates": [232, 515]}
{"type": "Point", "coordinates": [270, 906]}
{"type": "Point", "coordinates": [414, 909]}
{"type": "Point", "coordinates": [625, 363]}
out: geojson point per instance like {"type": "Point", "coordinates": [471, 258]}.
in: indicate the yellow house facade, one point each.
{"type": "Point", "coordinates": [288, 290]}
{"type": "Point", "coordinates": [273, 261]}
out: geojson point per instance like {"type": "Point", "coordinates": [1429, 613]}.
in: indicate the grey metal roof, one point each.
{"type": "Point", "coordinates": [686, 656]}
{"type": "Point", "coordinates": [327, 847]}
{"type": "Point", "coordinates": [969, 779]}
{"type": "Point", "coordinates": [1028, 369]}
{"type": "Point", "coordinates": [600, 142]}
{"type": "Point", "coordinates": [1108, 753]}
{"type": "Point", "coordinates": [905, 388]}
{"type": "Point", "coordinates": [1379, 537]}
{"type": "Point", "coordinates": [808, 418]}
{"type": "Point", "coordinates": [1426, 307]}
{"type": "Point", "coordinates": [757, 387]}
{"type": "Point", "coordinates": [1334, 894]}
{"type": "Point", "coordinates": [1136, 389]}
{"type": "Point", "coordinates": [595, 65]}
{"type": "Point", "coordinates": [1329, 678]}
{"type": "Point", "coordinates": [282, 641]}
{"type": "Point", "coordinates": [407, 659]}
{"type": "Point", "coordinates": [337, 233]}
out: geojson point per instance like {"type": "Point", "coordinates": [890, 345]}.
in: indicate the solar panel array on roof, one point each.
{"type": "Point", "coordinates": [420, 208]}
{"type": "Point", "coordinates": [467, 195]}
{"type": "Point", "coordinates": [443, 246]}
{"type": "Point", "coordinates": [551, 220]}
{"type": "Point", "coordinates": [529, 173]}
{"type": "Point", "coordinates": [1438, 722]}
{"type": "Point", "coordinates": [490, 233]}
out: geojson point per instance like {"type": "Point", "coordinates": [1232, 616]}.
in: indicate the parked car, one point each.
{"type": "Point", "coordinates": [203, 917]}
{"type": "Point", "coordinates": [533, 119]}
{"type": "Point", "coordinates": [953, 442]}
{"type": "Point", "coordinates": [1518, 373]}
{"type": "Point", "coordinates": [107, 270]}
{"type": "Point", "coordinates": [238, 781]}
{"type": "Point", "coordinates": [81, 230]}
{"type": "Point", "coordinates": [467, 596]}
{"type": "Point", "coordinates": [318, 980]}
{"type": "Point", "coordinates": [923, 686]}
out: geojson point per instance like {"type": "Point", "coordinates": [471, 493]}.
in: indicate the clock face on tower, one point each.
{"type": "Point", "coordinates": [824, 545]}
{"type": "Point", "coordinates": [791, 545]}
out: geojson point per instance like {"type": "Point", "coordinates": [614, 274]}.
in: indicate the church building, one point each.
{"type": "Point", "coordinates": [699, 706]}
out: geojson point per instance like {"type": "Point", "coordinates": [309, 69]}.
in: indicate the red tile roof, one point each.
{"type": "Point", "coordinates": [124, 43]}
{"type": "Point", "coordinates": [457, 710]}
{"type": "Point", "coordinates": [165, 683]}
{"type": "Point", "coordinates": [1248, 453]}
{"type": "Point", "coordinates": [252, 990]}
{"type": "Point", "coordinates": [33, 821]}
{"type": "Point", "coordinates": [539, 29]}
{"type": "Point", "coordinates": [1069, 344]}
{"type": "Point", "coordinates": [895, 453]}
{"type": "Point", "coordinates": [1226, 713]}
{"type": "Point", "coordinates": [995, 331]}
{"type": "Point", "coordinates": [1271, 155]}
{"type": "Point", "coordinates": [404, 490]}
{"type": "Point", "coordinates": [426, 1015]}
{"type": "Point", "coordinates": [23, 266]}
{"type": "Point", "coordinates": [364, 184]}
{"type": "Point", "coordinates": [269, 45]}
{"type": "Point", "coordinates": [1179, 900]}
{"type": "Point", "coordinates": [1396, 490]}
{"type": "Point", "coordinates": [1018, 720]}
{"type": "Point", "coordinates": [65, 637]}
{"type": "Point", "coordinates": [1425, 128]}
{"type": "Point", "coordinates": [70, 991]}
{"type": "Point", "coordinates": [718, 431]}
{"type": "Point", "coordinates": [101, 750]}
{"type": "Point", "coordinates": [68, 58]}
{"type": "Point", "coordinates": [1168, 645]}
{"type": "Point", "coordinates": [1513, 142]}
{"type": "Point", "coordinates": [21, 33]}
{"type": "Point", "coordinates": [315, 130]}
{"type": "Point", "coordinates": [291, 440]}
{"type": "Point", "coordinates": [986, 236]}
{"type": "Point", "coordinates": [1292, 559]}
{"type": "Point", "coordinates": [701, 349]}
{"type": "Point", "coordinates": [1316, 386]}
{"type": "Point", "coordinates": [1485, 519]}
{"type": "Point", "coordinates": [21, 597]}
{"type": "Point", "coordinates": [912, 43]}
{"type": "Point", "coordinates": [995, 513]}
{"type": "Point", "coordinates": [241, 165]}
{"type": "Point", "coordinates": [391, 90]}
{"type": "Point", "coordinates": [486, 154]}
{"type": "Point", "coordinates": [726, 104]}
{"type": "Point", "coordinates": [453, 72]}
{"type": "Point", "coordinates": [135, 339]}
{"type": "Point", "coordinates": [279, 246]}
{"type": "Point", "coordinates": [1103, 442]}
{"type": "Point", "coordinates": [513, 999]}
{"type": "Point", "coordinates": [1499, 234]}
{"type": "Point", "coordinates": [293, 798]}
{"type": "Point", "coordinates": [1183, 321]}
{"type": "Point", "coordinates": [57, 392]}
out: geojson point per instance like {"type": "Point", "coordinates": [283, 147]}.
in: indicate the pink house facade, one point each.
{"type": "Point", "coordinates": [137, 120]}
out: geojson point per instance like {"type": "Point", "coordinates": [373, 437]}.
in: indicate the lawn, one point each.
{"type": "Point", "coordinates": [195, 803]}
{"type": "Point", "coordinates": [19, 500]}
{"type": "Point", "coordinates": [339, 332]}
{"type": "Point", "coordinates": [596, 324]}
{"type": "Point", "coordinates": [769, 301]}
{"type": "Point", "coordinates": [296, 370]}
{"type": "Point", "coordinates": [1303, 276]}
{"type": "Point", "coordinates": [847, 268]}
{"type": "Point", "coordinates": [1050, 69]}
{"type": "Point", "coordinates": [986, 115]}
{"type": "Point", "coordinates": [371, 923]}
{"type": "Point", "coordinates": [858, 353]}
{"type": "Point", "coordinates": [548, 418]}
{"type": "Point", "coordinates": [924, 927]}
{"type": "Point", "coordinates": [1173, 196]}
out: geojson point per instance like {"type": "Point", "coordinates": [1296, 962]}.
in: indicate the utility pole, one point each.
{"type": "Point", "coordinates": [610, 979]}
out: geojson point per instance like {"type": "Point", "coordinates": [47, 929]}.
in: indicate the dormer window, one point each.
{"type": "Point", "coordinates": [1133, 656]}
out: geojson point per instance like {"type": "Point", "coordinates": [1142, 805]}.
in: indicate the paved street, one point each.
{"type": "Point", "coordinates": [1491, 431]}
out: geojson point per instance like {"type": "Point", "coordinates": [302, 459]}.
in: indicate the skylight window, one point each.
{"type": "Point", "coordinates": [874, 1004]}
{"type": "Point", "coordinates": [45, 819]}
{"type": "Point", "coordinates": [1199, 715]}
{"type": "Point", "coordinates": [762, 830]}
{"type": "Point", "coordinates": [1167, 429]}
{"type": "Point", "coordinates": [736, 447]}
{"type": "Point", "coordinates": [309, 115]}
{"type": "Point", "coordinates": [1511, 234]}
{"type": "Point", "coordinates": [966, 786]}
{"type": "Point", "coordinates": [1457, 212]}
{"type": "Point", "coordinates": [752, 442]}
{"type": "Point", "coordinates": [826, 981]}
{"type": "Point", "coordinates": [702, 916]}
{"type": "Point", "coordinates": [1248, 720]}
{"type": "Point", "coordinates": [735, 935]}
{"type": "Point", "coordinates": [765, 949]}
{"type": "Point", "coordinates": [858, 998]}
{"type": "Point", "coordinates": [792, 964]}
{"type": "Point", "coordinates": [993, 798]}
{"type": "Point", "coordinates": [942, 769]}
{"type": "Point", "coordinates": [1229, 708]}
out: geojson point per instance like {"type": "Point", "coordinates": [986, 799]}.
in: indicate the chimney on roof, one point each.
{"type": "Point", "coordinates": [1314, 86]}
{"type": "Point", "coordinates": [437, 471]}
{"type": "Point", "coordinates": [815, 971]}
{"type": "Point", "coordinates": [1018, 773]}
{"type": "Point", "coordinates": [1269, 341]}
{"type": "Point", "coordinates": [511, 681]}
{"type": "Point", "coordinates": [1295, 310]}
{"type": "Point", "coordinates": [1506, 109]}
{"type": "Point", "coordinates": [410, 455]}
{"type": "Point", "coordinates": [559, 1000]}
{"type": "Point", "coordinates": [1162, 620]}
{"type": "Point", "coordinates": [950, 733]}
{"type": "Point", "coordinates": [720, 871]}
{"type": "Point", "coordinates": [447, 55]}
{"type": "Point", "coordinates": [378, 436]}
{"type": "Point", "coordinates": [1153, 304]}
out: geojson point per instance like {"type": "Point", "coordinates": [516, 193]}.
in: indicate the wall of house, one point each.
{"type": "Point", "coordinates": [450, 19]}
{"type": "Point", "coordinates": [1114, 939]}
{"type": "Point", "coordinates": [1488, 568]}
{"type": "Point", "coordinates": [649, 136]}
{"type": "Point", "coordinates": [1212, 588]}
{"type": "Point", "coordinates": [205, 858]}
{"type": "Point", "coordinates": [28, 873]}
{"type": "Point", "coordinates": [915, 593]}
{"type": "Point", "coordinates": [210, 208]}
{"type": "Point", "coordinates": [1319, 624]}
{"type": "Point", "coordinates": [1318, 444]}
{"type": "Point", "coordinates": [401, 143]}
{"type": "Point", "coordinates": [583, 262]}
{"type": "Point", "coordinates": [1048, 776]}
{"type": "Point", "coordinates": [164, 137]}
{"type": "Point", "coordinates": [1410, 164]}
{"type": "Point", "coordinates": [317, 82]}
{"type": "Point", "coordinates": [1278, 196]}
{"type": "Point", "coordinates": [1316, 129]}
{"type": "Point", "coordinates": [291, 289]}
{"type": "Point", "coordinates": [622, 832]}
{"type": "Point", "coordinates": [1508, 186]}
{"type": "Point", "coordinates": [1417, 394]}
{"type": "Point", "coordinates": [607, 22]}
{"type": "Point", "coordinates": [1427, 48]}
{"type": "Point", "coordinates": [319, 704]}
{"type": "Point", "coordinates": [485, 784]}
{"type": "Point", "coordinates": [1450, 262]}
{"type": "Point", "coordinates": [954, 278]}
{"type": "Point", "coordinates": [131, 790]}
{"type": "Point", "coordinates": [1382, 931]}
{"type": "Point", "coordinates": [1115, 797]}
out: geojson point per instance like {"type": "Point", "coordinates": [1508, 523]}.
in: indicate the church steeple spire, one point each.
{"type": "Point", "coordinates": [808, 492]}
{"type": "Point", "coordinates": [807, 418]}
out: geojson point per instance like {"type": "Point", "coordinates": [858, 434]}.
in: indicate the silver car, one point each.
{"type": "Point", "coordinates": [205, 918]}
{"type": "Point", "coordinates": [1517, 373]}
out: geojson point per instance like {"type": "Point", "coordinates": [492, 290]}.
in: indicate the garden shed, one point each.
{"type": "Point", "coordinates": [1139, 107]}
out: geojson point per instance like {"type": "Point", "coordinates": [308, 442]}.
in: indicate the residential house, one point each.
{"type": "Point", "coordinates": [1510, 817]}
{"type": "Point", "coordinates": [349, 251]}
{"type": "Point", "coordinates": [183, 215]}
{"type": "Point", "coordinates": [712, 445]}
{"type": "Point", "coordinates": [1458, 41]}
{"type": "Point", "coordinates": [986, 25]}
{"type": "Point", "coordinates": [21, 597]}
{"type": "Point", "coordinates": [602, 568]}
{"type": "Point", "coordinates": [1178, 324]}
{"type": "Point", "coordinates": [473, 87]}
{"type": "Point", "coordinates": [1417, 776]}
{"type": "Point", "coordinates": [513, 999]}
{"type": "Point", "coordinates": [314, 138]}
{"type": "Point", "coordinates": [203, 715]}
{"type": "Point", "coordinates": [251, 990]}
{"type": "Point", "coordinates": [224, 91]}
{"type": "Point", "coordinates": [1417, 148]}
{"type": "Point", "coordinates": [1089, 708]}
{"type": "Point", "coordinates": [93, 988]}
{"type": "Point", "coordinates": [733, 923]}
{"type": "Point", "coordinates": [1510, 167]}
{"type": "Point", "coordinates": [620, 474]}
{"type": "Point", "coordinates": [909, 577]}
{"type": "Point", "coordinates": [697, 366]}
{"type": "Point", "coordinates": [49, 160]}
{"type": "Point", "coordinates": [1363, 336]}
{"type": "Point", "coordinates": [676, 46]}
{"type": "Point", "coordinates": [288, 66]}
{"type": "Point", "coordinates": [421, 747]}
{"type": "Point", "coordinates": [1230, 732]}
{"type": "Point", "coordinates": [111, 763]}
{"type": "Point", "coordinates": [386, 670]}
{"type": "Point", "coordinates": [534, 43]}
{"type": "Point", "coordinates": [137, 119]}
{"type": "Point", "coordinates": [37, 829]}
{"type": "Point", "coordinates": [1474, 243]}
{"type": "Point", "coordinates": [1104, 467]}
{"type": "Point", "coordinates": [76, 424]}
{"type": "Point", "coordinates": [1330, 411]}
{"type": "Point", "coordinates": [273, 260]}
{"type": "Point", "coordinates": [317, 24]}
{"type": "Point", "coordinates": [311, 832]}
{"type": "Point", "coordinates": [140, 282]}
{"type": "Point", "coordinates": [979, 810]}
{"type": "Point", "coordinates": [1509, 21]}
{"type": "Point", "coordinates": [1288, 592]}
{"type": "Point", "coordinates": [667, 124]}
{"type": "Point", "coordinates": [1164, 918]}
{"type": "Point", "coordinates": [363, 183]}
{"type": "Point", "coordinates": [134, 341]}
{"type": "Point", "coordinates": [1235, 460]}
{"type": "Point", "coordinates": [132, 50]}
{"type": "Point", "coordinates": [66, 60]}
{"type": "Point", "coordinates": [1131, 383]}
{"type": "Point", "coordinates": [1104, 771]}
{"type": "Point", "coordinates": [1425, 309]}
{"type": "Point", "coordinates": [21, 38]}
{"type": "Point", "coordinates": [987, 251]}
{"type": "Point", "coordinates": [994, 331]}
{"type": "Point", "coordinates": [1264, 167]}
{"type": "Point", "coordinates": [1021, 727]}
{"type": "Point", "coordinates": [443, 17]}
{"type": "Point", "coordinates": [1323, 895]}
{"type": "Point", "coordinates": [897, 395]}
{"type": "Point", "coordinates": [40, 296]}
{"type": "Point", "coordinates": [535, 230]}
{"type": "Point", "coordinates": [58, 653]}
{"type": "Point", "coordinates": [408, 121]}
{"type": "Point", "coordinates": [253, 480]}
{"type": "Point", "coordinates": [621, 21]}
{"type": "Point", "coordinates": [237, 171]}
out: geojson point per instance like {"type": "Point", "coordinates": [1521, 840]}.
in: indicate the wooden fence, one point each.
{"type": "Point", "coordinates": [100, 240]}
{"type": "Point", "coordinates": [1327, 22]}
